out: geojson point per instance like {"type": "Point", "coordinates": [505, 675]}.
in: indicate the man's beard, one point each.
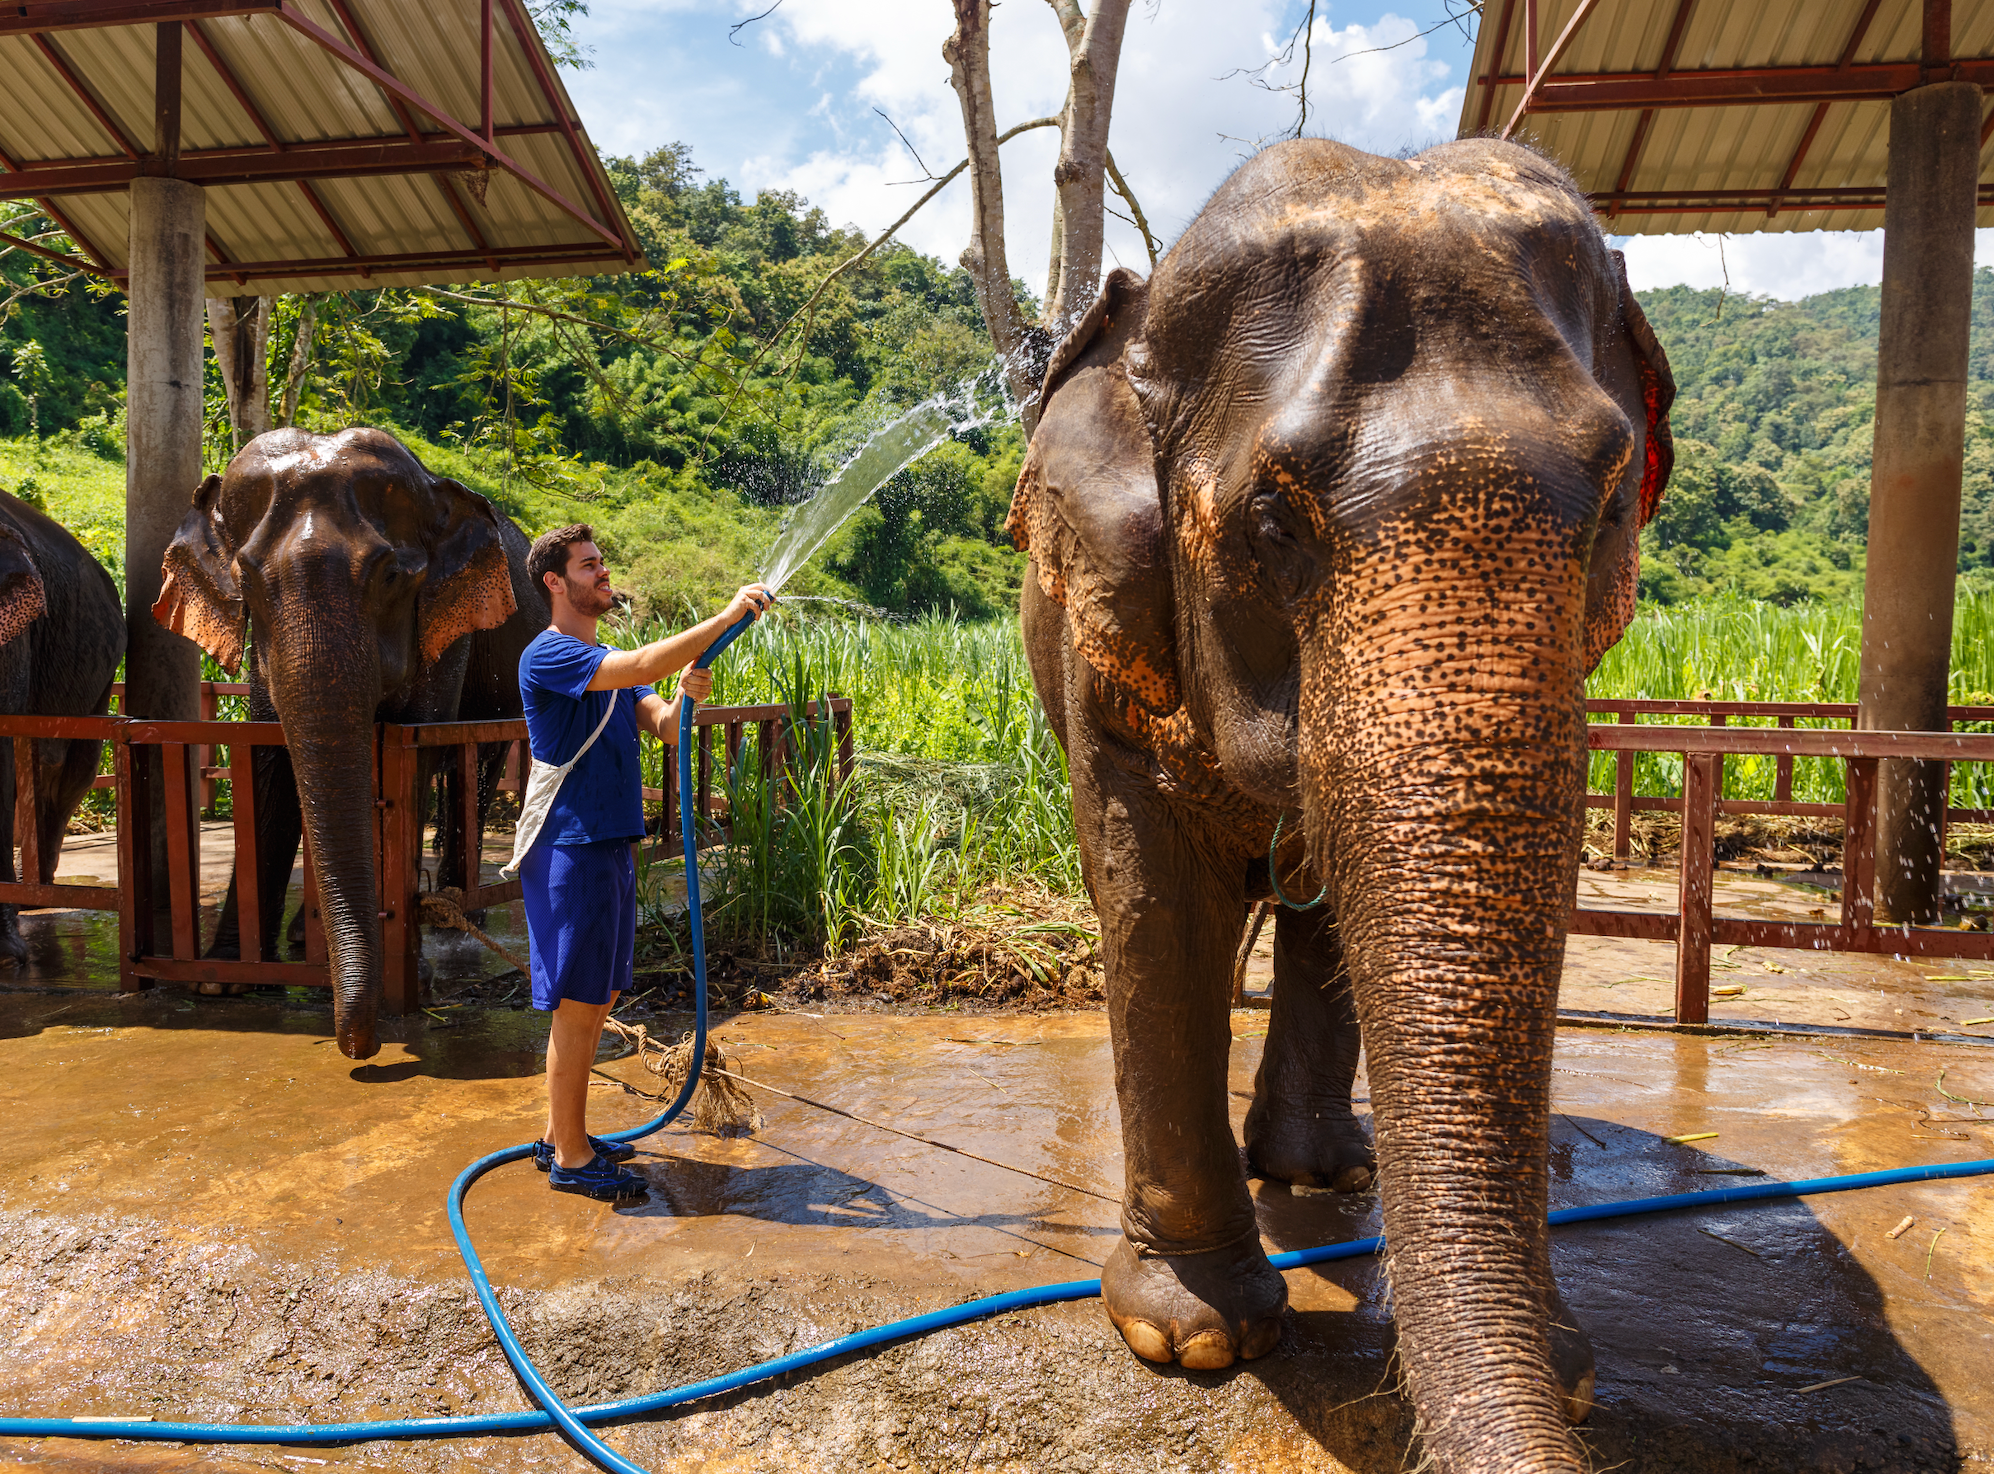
{"type": "Point", "coordinates": [588, 599]}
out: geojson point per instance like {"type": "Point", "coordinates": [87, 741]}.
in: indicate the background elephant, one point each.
{"type": "Point", "coordinates": [1328, 523]}
{"type": "Point", "coordinates": [62, 634]}
{"type": "Point", "coordinates": [369, 590]}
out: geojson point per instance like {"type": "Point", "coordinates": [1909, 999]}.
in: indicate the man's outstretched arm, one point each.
{"type": "Point", "coordinates": [649, 665]}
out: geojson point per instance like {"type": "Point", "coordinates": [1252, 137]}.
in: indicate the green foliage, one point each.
{"type": "Point", "coordinates": [960, 783]}
{"type": "Point", "coordinates": [1747, 650]}
{"type": "Point", "coordinates": [1772, 420]}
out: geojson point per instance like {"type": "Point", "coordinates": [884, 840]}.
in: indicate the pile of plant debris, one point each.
{"type": "Point", "coordinates": [1015, 947]}
{"type": "Point", "coordinates": [1778, 841]}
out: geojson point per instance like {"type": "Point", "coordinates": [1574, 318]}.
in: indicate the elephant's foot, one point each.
{"type": "Point", "coordinates": [1571, 1359]}
{"type": "Point", "coordinates": [13, 949]}
{"type": "Point", "coordinates": [1307, 1148]}
{"type": "Point", "coordinates": [1200, 1310]}
{"type": "Point", "coordinates": [223, 990]}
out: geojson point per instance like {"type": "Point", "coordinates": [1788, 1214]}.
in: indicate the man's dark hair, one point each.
{"type": "Point", "coordinates": [550, 554]}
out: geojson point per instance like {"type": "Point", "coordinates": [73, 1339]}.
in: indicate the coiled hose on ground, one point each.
{"type": "Point", "coordinates": [574, 1422]}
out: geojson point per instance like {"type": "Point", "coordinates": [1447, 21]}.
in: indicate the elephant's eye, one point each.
{"type": "Point", "coordinates": [1284, 562]}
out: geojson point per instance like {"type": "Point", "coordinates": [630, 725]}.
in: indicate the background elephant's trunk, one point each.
{"type": "Point", "coordinates": [1443, 762]}
{"type": "Point", "coordinates": [327, 708]}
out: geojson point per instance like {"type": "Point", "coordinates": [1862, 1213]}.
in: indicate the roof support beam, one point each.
{"type": "Point", "coordinates": [1501, 45]}
{"type": "Point", "coordinates": [1821, 108]}
{"type": "Point", "coordinates": [262, 125]}
{"type": "Point", "coordinates": [166, 71]}
{"type": "Point", "coordinates": [91, 15]}
{"type": "Point", "coordinates": [536, 60]}
{"type": "Point", "coordinates": [337, 160]}
{"type": "Point", "coordinates": [1671, 48]}
{"type": "Point", "coordinates": [84, 95]}
{"type": "Point", "coordinates": [395, 88]}
{"type": "Point", "coordinates": [1538, 68]}
{"type": "Point", "coordinates": [1592, 92]}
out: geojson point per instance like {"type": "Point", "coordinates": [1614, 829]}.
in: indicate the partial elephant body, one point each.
{"type": "Point", "coordinates": [364, 590]}
{"type": "Point", "coordinates": [1328, 522]}
{"type": "Point", "coordinates": [62, 633]}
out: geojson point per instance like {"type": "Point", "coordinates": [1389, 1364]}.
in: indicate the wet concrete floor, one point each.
{"type": "Point", "coordinates": [206, 1212]}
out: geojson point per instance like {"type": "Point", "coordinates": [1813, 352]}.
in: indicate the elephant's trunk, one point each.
{"type": "Point", "coordinates": [328, 706]}
{"type": "Point", "coordinates": [1443, 778]}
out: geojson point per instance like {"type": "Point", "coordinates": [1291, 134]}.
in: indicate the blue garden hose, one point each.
{"type": "Point", "coordinates": [572, 1422]}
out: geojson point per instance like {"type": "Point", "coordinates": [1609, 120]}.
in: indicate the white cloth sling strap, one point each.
{"type": "Point", "coordinates": [543, 781]}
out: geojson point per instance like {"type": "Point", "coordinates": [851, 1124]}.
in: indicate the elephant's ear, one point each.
{"type": "Point", "coordinates": [1087, 509]}
{"type": "Point", "coordinates": [1658, 392]}
{"type": "Point", "coordinates": [198, 594]}
{"type": "Point", "coordinates": [22, 598]}
{"type": "Point", "coordinates": [468, 586]}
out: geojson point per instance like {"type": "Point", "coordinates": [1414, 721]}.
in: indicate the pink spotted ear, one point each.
{"type": "Point", "coordinates": [469, 586]}
{"type": "Point", "coordinates": [1658, 392]}
{"type": "Point", "coordinates": [22, 598]}
{"type": "Point", "coordinates": [198, 593]}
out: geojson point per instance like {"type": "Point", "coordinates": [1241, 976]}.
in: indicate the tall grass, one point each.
{"type": "Point", "coordinates": [959, 783]}
{"type": "Point", "coordinates": [1740, 650]}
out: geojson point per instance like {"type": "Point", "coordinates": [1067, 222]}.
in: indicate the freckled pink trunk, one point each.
{"type": "Point", "coordinates": [1445, 769]}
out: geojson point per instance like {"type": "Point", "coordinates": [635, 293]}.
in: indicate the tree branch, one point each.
{"type": "Point", "coordinates": [1079, 175]}
{"type": "Point", "coordinates": [1140, 222]}
{"type": "Point", "coordinates": [808, 311]}
{"type": "Point", "coordinates": [967, 52]}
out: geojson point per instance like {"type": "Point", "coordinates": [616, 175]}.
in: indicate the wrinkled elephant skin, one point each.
{"type": "Point", "coordinates": [1328, 522]}
{"type": "Point", "coordinates": [62, 633]}
{"type": "Point", "coordinates": [364, 589]}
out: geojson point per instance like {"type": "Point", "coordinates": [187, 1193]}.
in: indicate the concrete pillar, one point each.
{"type": "Point", "coordinates": [163, 412]}
{"type": "Point", "coordinates": [1915, 473]}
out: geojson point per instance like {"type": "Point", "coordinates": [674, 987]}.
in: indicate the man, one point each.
{"type": "Point", "coordinates": [579, 878]}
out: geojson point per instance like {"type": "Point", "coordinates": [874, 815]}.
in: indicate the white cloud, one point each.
{"type": "Point", "coordinates": [1787, 265]}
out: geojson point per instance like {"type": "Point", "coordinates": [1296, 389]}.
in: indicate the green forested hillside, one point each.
{"type": "Point", "coordinates": [1772, 424]}
{"type": "Point", "coordinates": [682, 408]}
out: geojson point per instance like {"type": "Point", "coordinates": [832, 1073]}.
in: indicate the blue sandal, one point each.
{"type": "Point", "coordinates": [613, 1151]}
{"type": "Point", "coordinates": [601, 1179]}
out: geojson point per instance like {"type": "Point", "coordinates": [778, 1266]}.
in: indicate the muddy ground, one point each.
{"type": "Point", "coordinates": [204, 1212]}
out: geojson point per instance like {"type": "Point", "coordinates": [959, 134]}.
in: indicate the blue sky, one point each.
{"type": "Point", "coordinates": [790, 103]}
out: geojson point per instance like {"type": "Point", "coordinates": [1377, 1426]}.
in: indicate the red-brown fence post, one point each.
{"type": "Point", "coordinates": [1859, 858]}
{"type": "Point", "coordinates": [1782, 783]}
{"type": "Point", "coordinates": [1623, 798]}
{"type": "Point", "coordinates": [134, 862]}
{"type": "Point", "coordinates": [1702, 776]}
{"type": "Point", "coordinates": [204, 755]}
{"type": "Point", "coordinates": [183, 849]}
{"type": "Point", "coordinates": [28, 835]}
{"type": "Point", "coordinates": [400, 867]}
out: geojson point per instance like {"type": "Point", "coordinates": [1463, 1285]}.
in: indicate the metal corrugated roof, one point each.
{"type": "Point", "coordinates": [341, 143]}
{"type": "Point", "coordinates": [1761, 116]}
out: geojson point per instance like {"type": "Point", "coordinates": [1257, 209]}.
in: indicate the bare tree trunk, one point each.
{"type": "Point", "coordinates": [301, 361]}
{"type": "Point", "coordinates": [1083, 154]}
{"type": "Point", "coordinates": [967, 52]}
{"type": "Point", "coordinates": [240, 329]}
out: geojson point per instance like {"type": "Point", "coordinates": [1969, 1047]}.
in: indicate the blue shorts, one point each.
{"type": "Point", "coordinates": [581, 920]}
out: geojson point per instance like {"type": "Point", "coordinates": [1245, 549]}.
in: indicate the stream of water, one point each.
{"type": "Point", "coordinates": [889, 450]}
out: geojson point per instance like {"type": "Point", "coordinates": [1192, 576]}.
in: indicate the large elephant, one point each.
{"type": "Point", "coordinates": [368, 590]}
{"type": "Point", "coordinates": [1328, 523]}
{"type": "Point", "coordinates": [62, 634]}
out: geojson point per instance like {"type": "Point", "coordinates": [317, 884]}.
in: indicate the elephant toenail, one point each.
{"type": "Point", "coordinates": [1578, 1402]}
{"type": "Point", "coordinates": [1260, 1340]}
{"type": "Point", "coordinates": [1146, 1341]}
{"type": "Point", "coordinates": [1208, 1351]}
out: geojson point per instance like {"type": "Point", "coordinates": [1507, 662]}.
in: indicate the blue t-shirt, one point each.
{"type": "Point", "coordinates": [603, 798]}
